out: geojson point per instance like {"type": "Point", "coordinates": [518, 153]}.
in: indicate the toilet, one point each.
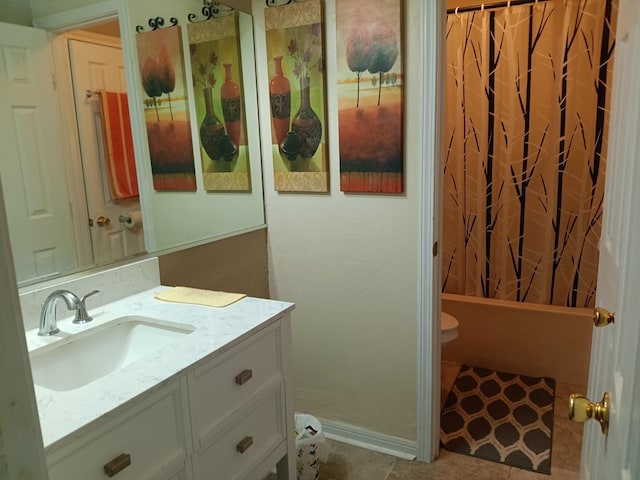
{"type": "Point", "coordinates": [448, 328]}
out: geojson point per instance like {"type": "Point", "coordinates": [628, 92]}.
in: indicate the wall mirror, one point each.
{"type": "Point", "coordinates": [100, 230]}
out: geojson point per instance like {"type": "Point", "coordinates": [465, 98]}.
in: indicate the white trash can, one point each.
{"type": "Point", "coordinates": [308, 436]}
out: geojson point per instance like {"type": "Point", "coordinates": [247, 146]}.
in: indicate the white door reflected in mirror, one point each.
{"type": "Point", "coordinates": [32, 167]}
{"type": "Point", "coordinates": [99, 68]}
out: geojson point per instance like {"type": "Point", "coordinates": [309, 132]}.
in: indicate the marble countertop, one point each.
{"type": "Point", "coordinates": [66, 414]}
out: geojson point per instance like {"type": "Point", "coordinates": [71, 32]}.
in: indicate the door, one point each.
{"type": "Point", "coordinates": [614, 353]}
{"type": "Point", "coordinates": [32, 164]}
{"type": "Point", "coordinates": [97, 67]}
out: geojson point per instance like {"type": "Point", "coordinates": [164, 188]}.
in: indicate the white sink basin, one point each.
{"type": "Point", "coordinates": [85, 357]}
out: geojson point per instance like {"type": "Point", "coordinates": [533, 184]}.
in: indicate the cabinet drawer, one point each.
{"type": "Point", "coordinates": [242, 443]}
{"type": "Point", "coordinates": [150, 434]}
{"type": "Point", "coordinates": [221, 386]}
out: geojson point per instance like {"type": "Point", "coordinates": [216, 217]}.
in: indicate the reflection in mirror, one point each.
{"type": "Point", "coordinates": [215, 65]}
{"type": "Point", "coordinates": [176, 218]}
{"type": "Point", "coordinates": [71, 204]}
{"type": "Point", "coordinates": [106, 146]}
{"type": "Point", "coordinates": [64, 213]}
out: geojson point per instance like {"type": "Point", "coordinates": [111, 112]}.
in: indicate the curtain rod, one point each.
{"type": "Point", "coordinates": [512, 3]}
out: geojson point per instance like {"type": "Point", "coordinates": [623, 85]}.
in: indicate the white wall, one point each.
{"type": "Point", "coordinates": [15, 11]}
{"type": "Point", "coordinates": [350, 263]}
{"type": "Point", "coordinates": [21, 450]}
{"type": "Point", "coordinates": [40, 8]}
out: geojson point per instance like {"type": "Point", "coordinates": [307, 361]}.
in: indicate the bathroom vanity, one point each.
{"type": "Point", "coordinates": [195, 392]}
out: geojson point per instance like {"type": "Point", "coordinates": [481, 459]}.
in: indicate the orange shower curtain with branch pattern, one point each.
{"type": "Point", "coordinates": [525, 150]}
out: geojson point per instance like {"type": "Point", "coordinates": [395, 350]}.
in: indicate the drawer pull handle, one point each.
{"type": "Point", "coordinates": [244, 444]}
{"type": "Point", "coordinates": [118, 464]}
{"type": "Point", "coordinates": [244, 376]}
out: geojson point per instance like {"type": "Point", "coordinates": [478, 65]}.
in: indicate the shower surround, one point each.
{"type": "Point", "coordinates": [498, 334]}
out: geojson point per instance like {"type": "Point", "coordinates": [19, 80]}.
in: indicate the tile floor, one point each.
{"type": "Point", "coordinates": [346, 462]}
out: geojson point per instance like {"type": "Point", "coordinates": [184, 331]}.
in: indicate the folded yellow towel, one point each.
{"type": "Point", "coordinates": [209, 298]}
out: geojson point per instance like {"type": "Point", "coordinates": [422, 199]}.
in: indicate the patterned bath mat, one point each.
{"type": "Point", "coordinates": [502, 417]}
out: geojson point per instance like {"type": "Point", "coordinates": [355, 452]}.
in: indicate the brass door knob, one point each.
{"type": "Point", "coordinates": [602, 317]}
{"type": "Point", "coordinates": [103, 221]}
{"type": "Point", "coordinates": [582, 409]}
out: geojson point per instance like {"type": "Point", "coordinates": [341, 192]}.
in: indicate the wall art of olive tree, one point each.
{"type": "Point", "coordinates": [370, 95]}
{"type": "Point", "coordinates": [161, 62]}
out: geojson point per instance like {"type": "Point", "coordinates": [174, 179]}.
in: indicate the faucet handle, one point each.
{"type": "Point", "coordinates": [93, 292]}
{"type": "Point", "coordinates": [81, 309]}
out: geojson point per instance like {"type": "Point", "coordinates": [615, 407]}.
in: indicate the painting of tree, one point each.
{"type": "Point", "coordinates": [370, 113]}
{"type": "Point", "coordinates": [383, 52]}
{"type": "Point", "coordinates": [161, 64]}
{"type": "Point", "coordinates": [166, 75]}
{"type": "Point", "coordinates": [357, 53]}
{"type": "Point", "coordinates": [151, 82]}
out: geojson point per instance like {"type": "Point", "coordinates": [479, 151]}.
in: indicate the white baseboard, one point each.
{"type": "Point", "coordinates": [377, 442]}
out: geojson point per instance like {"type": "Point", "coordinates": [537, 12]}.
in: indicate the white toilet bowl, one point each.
{"type": "Point", "coordinates": [448, 328]}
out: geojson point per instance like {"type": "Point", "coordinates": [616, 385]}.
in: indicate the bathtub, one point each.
{"type": "Point", "coordinates": [525, 338]}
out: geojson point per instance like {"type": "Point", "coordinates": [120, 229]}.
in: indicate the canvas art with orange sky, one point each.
{"type": "Point", "coordinates": [166, 109]}
{"type": "Point", "coordinates": [370, 95]}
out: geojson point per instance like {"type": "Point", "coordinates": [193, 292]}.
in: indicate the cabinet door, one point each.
{"type": "Point", "coordinates": [244, 440]}
{"type": "Point", "coordinates": [147, 441]}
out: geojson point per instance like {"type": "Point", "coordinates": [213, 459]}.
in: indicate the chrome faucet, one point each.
{"type": "Point", "coordinates": [48, 321]}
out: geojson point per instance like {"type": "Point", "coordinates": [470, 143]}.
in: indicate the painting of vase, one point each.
{"type": "Point", "coordinates": [297, 95]}
{"type": "Point", "coordinates": [211, 128]}
{"type": "Point", "coordinates": [217, 83]}
{"type": "Point", "coordinates": [231, 105]}
{"type": "Point", "coordinates": [280, 98]}
{"type": "Point", "coordinates": [306, 123]}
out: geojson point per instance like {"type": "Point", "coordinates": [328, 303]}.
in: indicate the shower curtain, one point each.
{"type": "Point", "coordinates": [525, 142]}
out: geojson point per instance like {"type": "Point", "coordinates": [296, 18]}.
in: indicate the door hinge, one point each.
{"type": "Point", "coordinates": [435, 249]}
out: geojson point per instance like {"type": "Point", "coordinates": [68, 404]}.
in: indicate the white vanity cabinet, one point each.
{"type": "Point", "coordinates": [227, 416]}
{"type": "Point", "coordinates": [238, 409]}
{"type": "Point", "coordinates": [147, 441]}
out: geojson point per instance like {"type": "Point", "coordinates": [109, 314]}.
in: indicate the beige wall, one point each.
{"type": "Point", "coordinates": [349, 262]}
{"type": "Point", "coordinates": [40, 8]}
{"type": "Point", "coordinates": [236, 264]}
{"type": "Point", "coordinates": [15, 11]}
